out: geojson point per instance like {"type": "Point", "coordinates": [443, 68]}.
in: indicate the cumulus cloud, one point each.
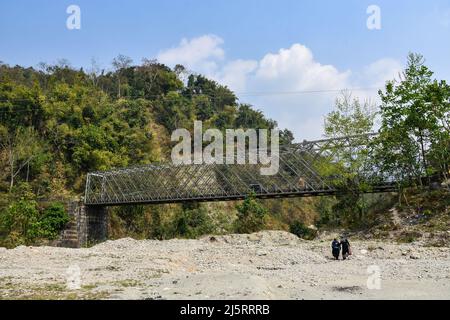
{"type": "Point", "coordinates": [235, 74]}
{"type": "Point", "coordinates": [289, 86]}
{"type": "Point", "coordinates": [296, 69]}
{"type": "Point", "coordinates": [376, 73]}
{"type": "Point", "coordinates": [200, 54]}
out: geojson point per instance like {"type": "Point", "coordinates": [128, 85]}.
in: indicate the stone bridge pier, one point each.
{"type": "Point", "coordinates": [88, 225]}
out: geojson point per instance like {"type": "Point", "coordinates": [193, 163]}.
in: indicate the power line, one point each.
{"type": "Point", "coordinates": [214, 97]}
{"type": "Point", "coordinates": [262, 93]}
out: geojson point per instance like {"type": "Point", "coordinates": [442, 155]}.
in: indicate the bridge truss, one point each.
{"type": "Point", "coordinates": [310, 168]}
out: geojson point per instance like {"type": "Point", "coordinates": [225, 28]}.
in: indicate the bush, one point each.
{"type": "Point", "coordinates": [251, 216]}
{"type": "Point", "coordinates": [21, 223]}
{"type": "Point", "coordinates": [300, 230]}
{"type": "Point", "coordinates": [192, 221]}
{"type": "Point", "coordinates": [409, 236]}
{"type": "Point", "coordinates": [53, 220]}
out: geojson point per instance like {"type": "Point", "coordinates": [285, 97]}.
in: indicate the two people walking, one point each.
{"type": "Point", "coordinates": [336, 247]}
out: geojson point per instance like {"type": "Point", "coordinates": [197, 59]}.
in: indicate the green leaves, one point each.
{"type": "Point", "coordinates": [21, 223]}
{"type": "Point", "coordinates": [415, 115]}
{"type": "Point", "coordinates": [53, 219]}
{"type": "Point", "coordinates": [251, 215]}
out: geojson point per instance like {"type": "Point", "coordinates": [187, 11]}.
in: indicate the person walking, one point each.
{"type": "Point", "coordinates": [345, 245]}
{"type": "Point", "coordinates": [335, 249]}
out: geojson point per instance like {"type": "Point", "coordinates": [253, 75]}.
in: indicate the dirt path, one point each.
{"type": "Point", "coordinates": [266, 265]}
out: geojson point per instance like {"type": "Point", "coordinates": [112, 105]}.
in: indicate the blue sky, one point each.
{"type": "Point", "coordinates": [327, 45]}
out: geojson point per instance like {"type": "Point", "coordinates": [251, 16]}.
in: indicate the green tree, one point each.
{"type": "Point", "coordinates": [251, 215]}
{"type": "Point", "coordinates": [19, 147]}
{"type": "Point", "coordinates": [52, 220]}
{"type": "Point", "coordinates": [120, 64]}
{"type": "Point", "coordinates": [415, 116]}
{"type": "Point", "coordinates": [192, 221]}
{"type": "Point", "coordinates": [349, 163]}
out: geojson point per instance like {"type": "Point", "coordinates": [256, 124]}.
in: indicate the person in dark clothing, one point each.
{"type": "Point", "coordinates": [345, 245]}
{"type": "Point", "coordinates": [335, 249]}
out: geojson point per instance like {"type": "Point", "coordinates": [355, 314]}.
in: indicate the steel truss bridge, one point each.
{"type": "Point", "coordinates": [310, 168]}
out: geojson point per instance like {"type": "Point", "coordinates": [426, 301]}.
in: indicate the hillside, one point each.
{"type": "Point", "coordinates": [58, 123]}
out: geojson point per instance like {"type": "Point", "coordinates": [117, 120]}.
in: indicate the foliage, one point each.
{"type": "Point", "coordinates": [57, 123]}
{"type": "Point", "coordinates": [415, 129]}
{"type": "Point", "coordinates": [52, 220]}
{"type": "Point", "coordinates": [250, 215]}
{"type": "Point", "coordinates": [191, 221]}
{"type": "Point", "coordinates": [23, 223]}
{"type": "Point", "coordinates": [299, 229]}
{"type": "Point", "coordinates": [348, 164]}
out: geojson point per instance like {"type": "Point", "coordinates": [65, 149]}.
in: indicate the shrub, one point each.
{"type": "Point", "coordinates": [409, 236]}
{"type": "Point", "coordinates": [250, 216]}
{"type": "Point", "coordinates": [300, 230]}
{"type": "Point", "coordinates": [53, 220]}
{"type": "Point", "coordinates": [21, 223]}
{"type": "Point", "coordinates": [192, 221]}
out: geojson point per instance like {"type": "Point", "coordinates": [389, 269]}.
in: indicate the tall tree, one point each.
{"type": "Point", "coordinates": [415, 113]}
{"type": "Point", "coordinates": [120, 63]}
{"type": "Point", "coordinates": [349, 162]}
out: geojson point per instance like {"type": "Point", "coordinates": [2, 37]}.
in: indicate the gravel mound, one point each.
{"type": "Point", "coordinates": [268, 238]}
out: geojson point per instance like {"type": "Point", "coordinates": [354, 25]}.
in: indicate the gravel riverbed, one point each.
{"type": "Point", "coordinates": [264, 265]}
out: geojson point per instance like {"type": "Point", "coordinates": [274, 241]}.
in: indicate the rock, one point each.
{"type": "Point", "coordinates": [414, 256]}
{"type": "Point", "coordinates": [253, 237]}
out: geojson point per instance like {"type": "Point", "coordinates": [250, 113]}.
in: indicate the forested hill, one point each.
{"type": "Point", "coordinates": [58, 123]}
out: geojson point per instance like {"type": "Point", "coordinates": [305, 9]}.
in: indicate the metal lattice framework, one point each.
{"type": "Point", "coordinates": [302, 172]}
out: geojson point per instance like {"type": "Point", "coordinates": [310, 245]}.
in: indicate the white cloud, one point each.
{"type": "Point", "coordinates": [235, 74]}
{"type": "Point", "coordinates": [296, 69]}
{"type": "Point", "coordinates": [376, 73]}
{"type": "Point", "coordinates": [274, 84]}
{"type": "Point", "coordinates": [200, 54]}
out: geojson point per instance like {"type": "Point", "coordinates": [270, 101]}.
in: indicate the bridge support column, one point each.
{"type": "Point", "coordinates": [88, 225]}
{"type": "Point", "coordinates": [96, 224]}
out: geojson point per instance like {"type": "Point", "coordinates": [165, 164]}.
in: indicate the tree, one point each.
{"type": "Point", "coordinates": [94, 71]}
{"type": "Point", "coordinates": [355, 119]}
{"type": "Point", "coordinates": [20, 148]}
{"type": "Point", "coordinates": [351, 117]}
{"type": "Point", "coordinates": [251, 215]}
{"type": "Point", "coordinates": [349, 162]}
{"type": "Point", "coordinates": [58, 123]}
{"type": "Point", "coordinates": [415, 116]}
{"type": "Point", "coordinates": [120, 63]}
{"type": "Point", "coordinates": [191, 221]}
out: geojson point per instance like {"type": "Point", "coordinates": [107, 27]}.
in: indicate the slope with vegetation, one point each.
{"type": "Point", "coordinates": [57, 123]}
